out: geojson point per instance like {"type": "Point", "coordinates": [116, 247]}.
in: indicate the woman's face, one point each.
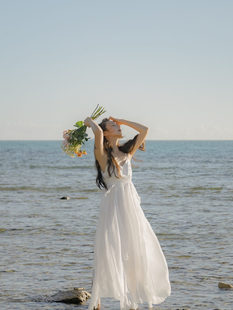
{"type": "Point", "coordinates": [113, 129]}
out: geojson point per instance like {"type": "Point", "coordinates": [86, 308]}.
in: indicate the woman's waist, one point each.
{"type": "Point", "coordinates": [115, 180]}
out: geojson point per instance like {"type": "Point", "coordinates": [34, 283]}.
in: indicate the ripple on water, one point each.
{"type": "Point", "coordinates": [48, 244]}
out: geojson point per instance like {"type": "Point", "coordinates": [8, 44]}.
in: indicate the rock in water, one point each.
{"type": "Point", "coordinates": [75, 296]}
{"type": "Point", "coordinates": [225, 285]}
{"type": "Point", "coordinates": [65, 198]}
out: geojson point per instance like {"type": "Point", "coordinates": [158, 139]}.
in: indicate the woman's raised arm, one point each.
{"type": "Point", "coordinates": [136, 126]}
{"type": "Point", "coordinates": [99, 137]}
{"type": "Point", "coordinates": [143, 130]}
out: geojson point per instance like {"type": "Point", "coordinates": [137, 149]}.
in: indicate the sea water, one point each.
{"type": "Point", "coordinates": [46, 244]}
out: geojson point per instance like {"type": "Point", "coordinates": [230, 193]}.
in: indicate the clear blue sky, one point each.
{"type": "Point", "coordinates": [165, 64]}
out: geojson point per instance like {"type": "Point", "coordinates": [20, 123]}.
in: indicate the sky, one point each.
{"type": "Point", "coordinates": [166, 64]}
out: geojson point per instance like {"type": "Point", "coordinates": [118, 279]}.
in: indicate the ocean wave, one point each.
{"type": "Point", "coordinates": [61, 167]}
{"type": "Point", "coordinates": [206, 188]}
{"type": "Point", "coordinates": [31, 188]}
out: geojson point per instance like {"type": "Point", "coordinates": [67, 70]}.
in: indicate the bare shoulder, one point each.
{"type": "Point", "coordinates": [129, 155]}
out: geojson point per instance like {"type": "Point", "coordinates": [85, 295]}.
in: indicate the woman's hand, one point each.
{"type": "Point", "coordinates": [116, 120]}
{"type": "Point", "coordinates": [87, 122]}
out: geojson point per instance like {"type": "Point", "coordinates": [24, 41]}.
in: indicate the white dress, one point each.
{"type": "Point", "coordinates": [129, 264]}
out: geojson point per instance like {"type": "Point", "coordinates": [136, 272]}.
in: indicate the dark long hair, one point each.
{"type": "Point", "coordinates": [111, 162]}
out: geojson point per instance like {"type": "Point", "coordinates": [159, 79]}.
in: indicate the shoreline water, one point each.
{"type": "Point", "coordinates": [186, 191]}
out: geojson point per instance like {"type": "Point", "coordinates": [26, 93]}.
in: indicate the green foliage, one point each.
{"type": "Point", "coordinates": [79, 124]}
{"type": "Point", "coordinates": [77, 137]}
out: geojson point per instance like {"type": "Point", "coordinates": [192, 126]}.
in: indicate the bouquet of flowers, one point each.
{"type": "Point", "coordinates": [74, 139]}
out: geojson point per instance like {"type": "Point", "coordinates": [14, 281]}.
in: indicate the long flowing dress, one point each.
{"type": "Point", "coordinates": [129, 264]}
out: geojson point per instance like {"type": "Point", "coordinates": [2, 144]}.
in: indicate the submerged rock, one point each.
{"type": "Point", "coordinates": [225, 285]}
{"type": "Point", "coordinates": [75, 296]}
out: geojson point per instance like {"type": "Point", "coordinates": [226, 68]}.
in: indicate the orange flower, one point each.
{"type": "Point", "coordinates": [84, 152]}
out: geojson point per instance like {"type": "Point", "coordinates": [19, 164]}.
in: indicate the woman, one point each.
{"type": "Point", "coordinates": [129, 264]}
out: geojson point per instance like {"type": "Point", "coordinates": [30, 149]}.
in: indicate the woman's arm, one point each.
{"type": "Point", "coordinates": [143, 130]}
{"type": "Point", "coordinates": [99, 137]}
{"type": "Point", "coordinates": [133, 125]}
{"type": "Point", "coordinates": [89, 122]}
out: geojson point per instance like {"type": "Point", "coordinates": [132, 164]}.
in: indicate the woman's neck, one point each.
{"type": "Point", "coordinates": [113, 142]}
